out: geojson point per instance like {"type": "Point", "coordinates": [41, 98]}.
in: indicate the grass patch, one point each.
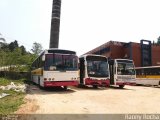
{"type": "Point", "coordinates": [6, 81]}
{"type": "Point", "coordinates": [11, 103]}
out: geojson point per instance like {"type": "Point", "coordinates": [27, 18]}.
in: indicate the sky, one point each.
{"type": "Point", "coordinates": [85, 24]}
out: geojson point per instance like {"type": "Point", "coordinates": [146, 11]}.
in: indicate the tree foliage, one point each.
{"type": "Point", "coordinates": [13, 45]}
{"type": "Point", "coordinates": [36, 48]}
{"type": "Point", "coordinates": [2, 41]}
{"type": "Point", "coordinates": [17, 58]}
{"type": "Point", "coordinates": [158, 40]}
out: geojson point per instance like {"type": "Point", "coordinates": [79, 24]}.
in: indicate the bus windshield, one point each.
{"type": "Point", "coordinates": [97, 68]}
{"type": "Point", "coordinates": [125, 68]}
{"type": "Point", "coordinates": [56, 62]}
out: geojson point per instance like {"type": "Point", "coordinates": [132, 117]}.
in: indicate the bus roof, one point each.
{"type": "Point", "coordinates": [123, 59]}
{"type": "Point", "coordinates": [147, 67]}
{"type": "Point", "coordinates": [61, 51]}
{"type": "Point", "coordinates": [55, 50]}
{"type": "Point", "coordinates": [82, 56]}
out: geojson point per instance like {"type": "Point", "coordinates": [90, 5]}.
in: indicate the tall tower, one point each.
{"type": "Point", "coordinates": [55, 24]}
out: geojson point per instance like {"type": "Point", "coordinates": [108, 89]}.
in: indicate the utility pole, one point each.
{"type": "Point", "coordinates": [55, 24]}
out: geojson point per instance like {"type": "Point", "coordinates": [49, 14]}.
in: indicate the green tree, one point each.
{"type": "Point", "coordinates": [5, 47]}
{"type": "Point", "coordinates": [13, 45]}
{"type": "Point", "coordinates": [23, 50]}
{"type": "Point", "coordinates": [17, 57]}
{"type": "Point", "coordinates": [2, 41]}
{"type": "Point", "coordinates": [3, 57]}
{"type": "Point", "coordinates": [36, 48]}
{"type": "Point", "coordinates": [28, 59]}
{"type": "Point", "coordinates": [158, 40]}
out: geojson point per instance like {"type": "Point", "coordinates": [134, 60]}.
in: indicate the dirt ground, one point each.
{"type": "Point", "coordinates": [112, 100]}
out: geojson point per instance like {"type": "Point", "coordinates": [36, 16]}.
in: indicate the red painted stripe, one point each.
{"type": "Point", "coordinates": [89, 81]}
{"type": "Point", "coordinates": [60, 83]}
{"type": "Point", "coordinates": [125, 83]}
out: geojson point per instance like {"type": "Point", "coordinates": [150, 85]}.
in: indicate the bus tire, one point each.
{"type": "Point", "coordinates": [121, 86]}
{"type": "Point", "coordinates": [95, 86]}
{"type": "Point", "coordinates": [81, 86]}
{"type": "Point", "coordinates": [107, 86]}
{"type": "Point", "coordinates": [65, 87]}
{"type": "Point", "coordinates": [39, 85]}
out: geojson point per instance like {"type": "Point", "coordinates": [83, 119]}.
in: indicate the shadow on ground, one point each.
{"type": "Point", "coordinates": [35, 89]}
{"type": "Point", "coordinates": [118, 88]}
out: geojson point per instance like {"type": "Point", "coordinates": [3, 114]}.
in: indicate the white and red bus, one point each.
{"type": "Point", "coordinates": [94, 70]}
{"type": "Point", "coordinates": [55, 67]}
{"type": "Point", "coordinates": [122, 72]}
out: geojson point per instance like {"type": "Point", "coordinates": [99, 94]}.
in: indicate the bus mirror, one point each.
{"type": "Point", "coordinates": [43, 58]}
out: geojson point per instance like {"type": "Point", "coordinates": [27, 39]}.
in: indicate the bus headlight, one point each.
{"type": "Point", "coordinates": [73, 78]}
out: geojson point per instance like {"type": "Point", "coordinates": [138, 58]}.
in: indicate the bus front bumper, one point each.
{"type": "Point", "coordinates": [89, 81]}
{"type": "Point", "coordinates": [126, 83]}
{"type": "Point", "coordinates": [60, 83]}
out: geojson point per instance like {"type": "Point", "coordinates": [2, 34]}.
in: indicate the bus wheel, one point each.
{"type": "Point", "coordinates": [121, 86]}
{"type": "Point", "coordinates": [81, 86]}
{"type": "Point", "coordinates": [39, 85]}
{"type": "Point", "coordinates": [65, 87]}
{"type": "Point", "coordinates": [95, 86]}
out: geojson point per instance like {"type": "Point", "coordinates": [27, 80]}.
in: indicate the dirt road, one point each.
{"type": "Point", "coordinates": [131, 99]}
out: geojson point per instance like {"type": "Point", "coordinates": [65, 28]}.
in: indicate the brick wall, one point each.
{"type": "Point", "coordinates": [155, 55]}
{"type": "Point", "coordinates": [136, 54]}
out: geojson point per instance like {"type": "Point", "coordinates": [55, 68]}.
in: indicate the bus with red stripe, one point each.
{"type": "Point", "coordinates": [55, 67]}
{"type": "Point", "coordinates": [94, 70]}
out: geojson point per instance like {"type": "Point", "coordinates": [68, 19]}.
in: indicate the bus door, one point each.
{"type": "Point", "coordinates": [82, 70]}
{"type": "Point", "coordinates": [111, 69]}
